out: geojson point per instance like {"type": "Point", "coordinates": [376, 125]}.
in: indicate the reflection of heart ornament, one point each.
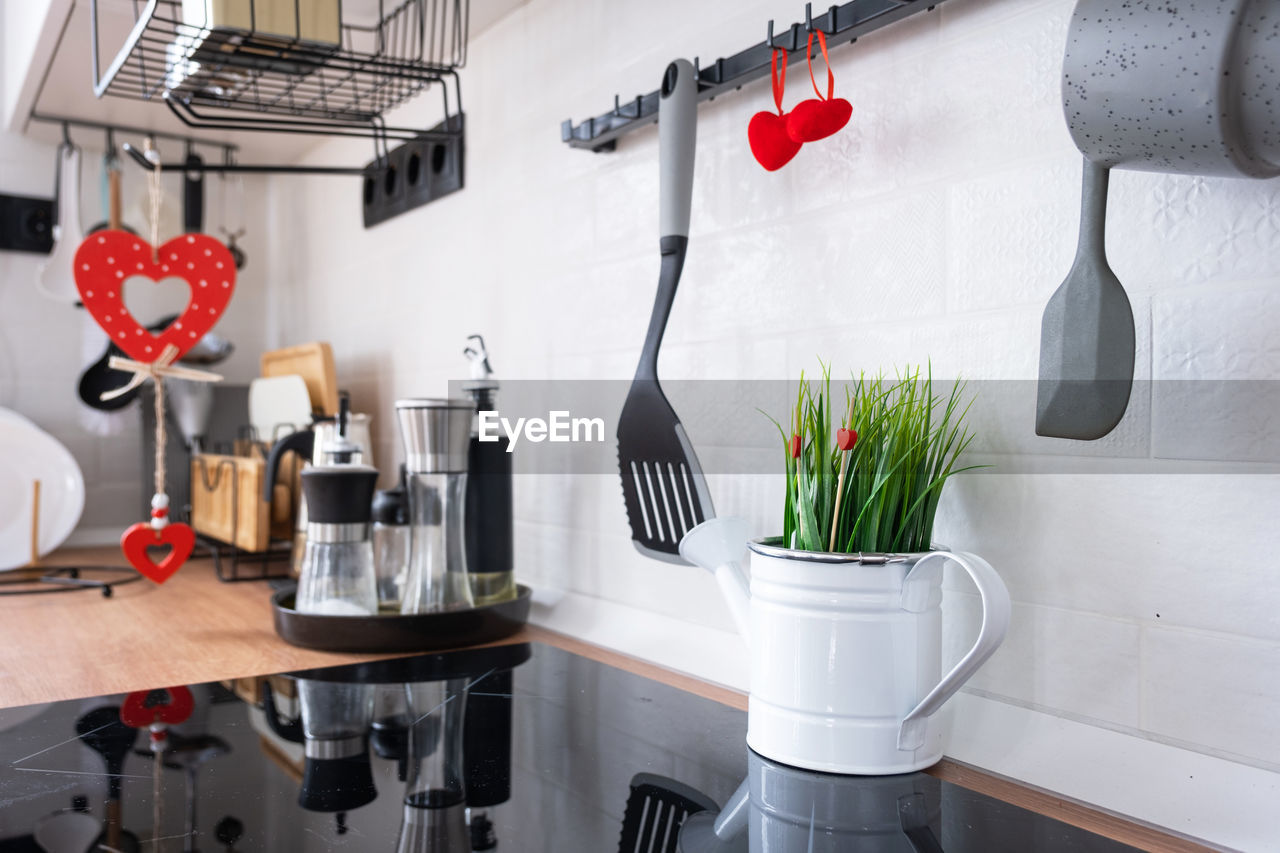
{"type": "Point", "coordinates": [141, 536]}
{"type": "Point", "coordinates": [106, 259]}
{"type": "Point", "coordinates": [136, 712]}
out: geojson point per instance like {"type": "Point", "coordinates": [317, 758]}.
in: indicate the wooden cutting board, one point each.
{"type": "Point", "coordinates": [314, 363]}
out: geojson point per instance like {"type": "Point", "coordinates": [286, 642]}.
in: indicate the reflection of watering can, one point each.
{"type": "Point", "coordinates": [336, 441]}
{"type": "Point", "coordinates": [784, 810]}
{"type": "Point", "coordinates": [846, 649]}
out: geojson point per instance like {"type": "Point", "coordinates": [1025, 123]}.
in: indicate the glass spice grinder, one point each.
{"type": "Point", "coordinates": [337, 575]}
{"type": "Point", "coordinates": [437, 436]}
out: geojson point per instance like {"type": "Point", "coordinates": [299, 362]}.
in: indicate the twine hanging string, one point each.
{"type": "Point", "coordinates": [162, 367]}
{"type": "Point", "coordinates": [157, 761]}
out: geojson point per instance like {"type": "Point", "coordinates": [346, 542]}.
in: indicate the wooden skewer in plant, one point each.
{"type": "Point", "coordinates": [845, 440]}
{"type": "Point", "coordinates": [876, 487]}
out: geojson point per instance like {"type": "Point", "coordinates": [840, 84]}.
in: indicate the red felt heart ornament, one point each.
{"type": "Point", "coordinates": [817, 118]}
{"type": "Point", "coordinates": [813, 119]}
{"type": "Point", "coordinates": [141, 536]}
{"type": "Point", "coordinates": [107, 258]}
{"type": "Point", "coordinates": [770, 144]}
{"type": "Point", "coordinates": [766, 132]}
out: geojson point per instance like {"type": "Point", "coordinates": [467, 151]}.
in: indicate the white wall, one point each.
{"type": "Point", "coordinates": [41, 350]}
{"type": "Point", "coordinates": [934, 227]}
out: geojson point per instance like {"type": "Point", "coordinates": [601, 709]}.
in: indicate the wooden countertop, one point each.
{"type": "Point", "coordinates": [196, 628]}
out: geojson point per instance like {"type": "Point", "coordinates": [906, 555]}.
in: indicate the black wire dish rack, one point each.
{"type": "Point", "coordinates": [288, 66]}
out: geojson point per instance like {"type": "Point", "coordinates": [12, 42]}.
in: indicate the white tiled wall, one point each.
{"type": "Point", "coordinates": [43, 347]}
{"type": "Point", "coordinates": [934, 227]}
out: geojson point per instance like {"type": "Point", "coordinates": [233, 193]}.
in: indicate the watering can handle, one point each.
{"type": "Point", "coordinates": [995, 622]}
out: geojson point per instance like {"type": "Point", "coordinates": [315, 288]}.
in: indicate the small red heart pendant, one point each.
{"type": "Point", "coordinates": [136, 711]}
{"type": "Point", "coordinates": [106, 259]}
{"type": "Point", "coordinates": [767, 134]}
{"type": "Point", "coordinates": [846, 438]}
{"type": "Point", "coordinates": [141, 536]}
{"type": "Point", "coordinates": [813, 119]}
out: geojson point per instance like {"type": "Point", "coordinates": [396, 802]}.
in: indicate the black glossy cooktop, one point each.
{"type": "Point", "coordinates": [541, 750]}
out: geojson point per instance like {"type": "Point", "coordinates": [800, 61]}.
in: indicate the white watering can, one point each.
{"type": "Point", "coordinates": [846, 649]}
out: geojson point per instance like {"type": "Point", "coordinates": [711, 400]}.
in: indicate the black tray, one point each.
{"type": "Point", "coordinates": [422, 632]}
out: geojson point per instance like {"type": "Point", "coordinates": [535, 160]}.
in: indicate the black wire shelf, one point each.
{"type": "Point", "coordinates": [255, 68]}
{"type": "Point", "coordinates": [298, 67]}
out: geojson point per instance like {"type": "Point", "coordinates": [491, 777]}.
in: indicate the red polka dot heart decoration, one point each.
{"type": "Point", "coordinates": [107, 259]}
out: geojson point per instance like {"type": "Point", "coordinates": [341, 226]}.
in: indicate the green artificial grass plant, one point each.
{"type": "Point", "coordinates": [885, 465]}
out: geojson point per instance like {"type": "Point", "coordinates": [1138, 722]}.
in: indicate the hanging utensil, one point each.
{"type": "Point", "coordinates": [193, 194]}
{"type": "Point", "coordinates": [55, 278]}
{"type": "Point", "coordinates": [662, 483]}
{"type": "Point", "coordinates": [1086, 336]}
{"type": "Point", "coordinates": [233, 186]}
{"type": "Point", "coordinates": [110, 193]}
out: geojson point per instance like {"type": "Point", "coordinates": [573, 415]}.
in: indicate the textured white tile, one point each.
{"type": "Point", "coordinates": [1132, 546]}
{"type": "Point", "coordinates": [1217, 362]}
{"type": "Point", "coordinates": [1216, 691]}
{"type": "Point", "coordinates": [1061, 659]}
{"type": "Point", "coordinates": [1012, 234]}
{"type": "Point", "coordinates": [1180, 229]}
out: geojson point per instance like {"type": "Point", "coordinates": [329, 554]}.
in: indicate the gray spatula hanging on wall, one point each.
{"type": "Point", "coordinates": [662, 483]}
{"type": "Point", "coordinates": [1086, 336]}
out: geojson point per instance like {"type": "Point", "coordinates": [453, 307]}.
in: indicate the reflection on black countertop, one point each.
{"type": "Point", "coordinates": [539, 749]}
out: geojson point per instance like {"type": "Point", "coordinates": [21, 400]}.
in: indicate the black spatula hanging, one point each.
{"type": "Point", "coordinates": [1086, 335]}
{"type": "Point", "coordinates": [662, 483]}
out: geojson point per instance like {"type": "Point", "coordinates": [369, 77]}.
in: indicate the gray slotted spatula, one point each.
{"type": "Point", "coordinates": [662, 483]}
{"type": "Point", "coordinates": [1086, 336]}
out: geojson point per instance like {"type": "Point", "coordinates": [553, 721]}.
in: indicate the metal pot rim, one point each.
{"type": "Point", "coordinates": [435, 403]}
{"type": "Point", "coordinates": [766, 548]}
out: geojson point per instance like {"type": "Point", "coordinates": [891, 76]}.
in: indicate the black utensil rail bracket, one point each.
{"type": "Point", "coordinates": [846, 21]}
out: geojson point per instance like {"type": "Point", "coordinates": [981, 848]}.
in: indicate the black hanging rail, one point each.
{"type": "Point", "coordinates": [111, 128]}
{"type": "Point", "coordinates": [849, 20]}
{"type": "Point", "coordinates": [232, 167]}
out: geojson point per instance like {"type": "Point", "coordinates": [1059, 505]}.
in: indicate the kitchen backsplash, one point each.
{"type": "Point", "coordinates": [934, 227]}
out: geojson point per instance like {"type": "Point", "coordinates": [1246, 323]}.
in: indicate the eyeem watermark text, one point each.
{"type": "Point", "coordinates": [557, 427]}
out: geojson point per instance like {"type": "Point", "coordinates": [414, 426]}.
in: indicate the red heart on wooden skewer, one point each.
{"type": "Point", "coordinates": [104, 262]}
{"type": "Point", "coordinates": [846, 438]}
{"type": "Point", "coordinates": [135, 711]}
{"type": "Point", "coordinates": [141, 536]}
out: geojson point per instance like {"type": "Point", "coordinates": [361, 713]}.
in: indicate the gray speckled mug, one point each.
{"type": "Point", "coordinates": [1191, 86]}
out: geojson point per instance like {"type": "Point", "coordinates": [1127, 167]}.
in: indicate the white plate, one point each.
{"type": "Point", "coordinates": [27, 454]}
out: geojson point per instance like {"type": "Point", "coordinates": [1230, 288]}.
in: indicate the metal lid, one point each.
{"type": "Point", "coordinates": [433, 403]}
{"type": "Point", "coordinates": [772, 547]}
{"type": "Point", "coordinates": [436, 433]}
{"type": "Point", "coordinates": [339, 494]}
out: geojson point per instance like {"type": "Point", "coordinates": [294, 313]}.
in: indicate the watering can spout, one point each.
{"type": "Point", "coordinates": [719, 545]}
